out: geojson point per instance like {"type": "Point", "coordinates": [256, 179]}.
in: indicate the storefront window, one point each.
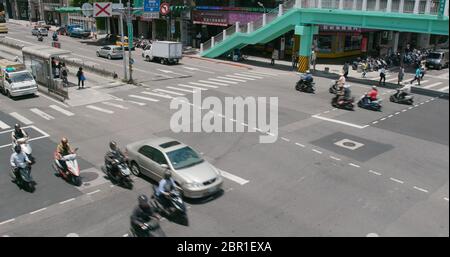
{"type": "Point", "coordinates": [352, 42]}
{"type": "Point", "coordinates": [325, 43]}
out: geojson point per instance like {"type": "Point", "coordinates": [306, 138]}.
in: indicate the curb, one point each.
{"type": "Point", "coordinates": [221, 62]}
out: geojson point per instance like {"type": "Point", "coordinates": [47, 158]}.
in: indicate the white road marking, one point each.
{"type": "Point", "coordinates": [433, 85]}
{"type": "Point", "coordinates": [317, 151]}
{"type": "Point", "coordinates": [234, 178]}
{"type": "Point", "coordinates": [214, 83]}
{"type": "Point", "coordinates": [374, 172]}
{"type": "Point", "coordinates": [94, 192]}
{"type": "Point", "coordinates": [397, 113]}
{"type": "Point", "coordinates": [263, 73]}
{"type": "Point", "coordinates": [21, 118]}
{"type": "Point", "coordinates": [158, 95]}
{"type": "Point", "coordinates": [445, 198]}
{"type": "Point", "coordinates": [126, 235]}
{"type": "Point", "coordinates": [138, 103]}
{"type": "Point", "coordinates": [443, 89]}
{"type": "Point", "coordinates": [224, 81]}
{"type": "Point", "coordinates": [410, 108]}
{"type": "Point", "coordinates": [334, 158]}
{"type": "Point", "coordinates": [4, 125]}
{"type": "Point", "coordinates": [144, 98]}
{"type": "Point", "coordinates": [202, 85]}
{"type": "Point", "coordinates": [67, 201]}
{"type": "Point", "coordinates": [300, 145]}
{"type": "Point", "coordinates": [340, 122]}
{"type": "Point", "coordinates": [248, 76]}
{"type": "Point", "coordinates": [72, 235]}
{"type": "Point", "coordinates": [270, 134]}
{"type": "Point", "coordinates": [256, 74]}
{"type": "Point", "coordinates": [397, 180]}
{"type": "Point", "coordinates": [45, 135]}
{"type": "Point", "coordinates": [181, 89]}
{"type": "Point", "coordinates": [111, 186]}
{"type": "Point", "coordinates": [372, 235]}
{"type": "Point", "coordinates": [236, 80]}
{"type": "Point", "coordinates": [99, 109]}
{"type": "Point", "coordinates": [61, 110]}
{"type": "Point", "coordinates": [421, 189]}
{"type": "Point", "coordinates": [390, 116]}
{"type": "Point", "coordinates": [326, 111]}
{"type": "Point", "coordinates": [34, 212]}
{"type": "Point", "coordinates": [242, 123]}
{"type": "Point", "coordinates": [375, 122]}
{"type": "Point", "coordinates": [392, 79]}
{"type": "Point", "coordinates": [228, 190]}
{"type": "Point", "coordinates": [354, 165]}
{"type": "Point", "coordinates": [42, 114]}
{"type": "Point", "coordinates": [198, 88]}
{"type": "Point", "coordinates": [239, 77]}
{"type": "Point", "coordinates": [7, 221]}
{"type": "Point", "coordinates": [285, 139]}
{"type": "Point", "coordinates": [383, 118]}
{"type": "Point", "coordinates": [115, 105]}
{"type": "Point", "coordinates": [168, 92]}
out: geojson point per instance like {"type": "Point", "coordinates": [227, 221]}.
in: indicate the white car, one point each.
{"type": "Point", "coordinates": [110, 52]}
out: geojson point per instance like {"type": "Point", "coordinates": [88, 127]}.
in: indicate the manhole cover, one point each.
{"type": "Point", "coordinates": [349, 144]}
{"type": "Point", "coordinates": [89, 176]}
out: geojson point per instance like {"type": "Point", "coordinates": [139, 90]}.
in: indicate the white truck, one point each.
{"type": "Point", "coordinates": [165, 52]}
{"type": "Point", "coordinates": [15, 79]}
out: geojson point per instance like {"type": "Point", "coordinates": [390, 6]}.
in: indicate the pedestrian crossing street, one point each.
{"type": "Point", "coordinates": [427, 84]}
{"type": "Point", "coordinates": [53, 112]}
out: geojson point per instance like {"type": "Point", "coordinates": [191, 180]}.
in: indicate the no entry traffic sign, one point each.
{"type": "Point", "coordinates": [102, 9]}
{"type": "Point", "coordinates": [165, 8]}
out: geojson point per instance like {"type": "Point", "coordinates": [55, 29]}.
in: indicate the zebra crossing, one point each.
{"type": "Point", "coordinates": [438, 86]}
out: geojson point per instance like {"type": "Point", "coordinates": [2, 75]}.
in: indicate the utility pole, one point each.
{"type": "Point", "coordinates": [130, 41]}
{"type": "Point", "coordinates": [123, 48]}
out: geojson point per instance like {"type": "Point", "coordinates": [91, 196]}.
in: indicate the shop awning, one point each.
{"type": "Point", "coordinates": [68, 9]}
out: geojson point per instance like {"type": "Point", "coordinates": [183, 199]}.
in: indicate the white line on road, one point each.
{"type": "Point", "coordinates": [374, 172]}
{"type": "Point", "coordinates": [34, 212]}
{"type": "Point", "coordinates": [334, 158]}
{"type": "Point", "coordinates": [300, 145]}
{"type": "Point", "coordinates": [126, 235]}
{"type": "Point", "coordinates": [248, 76]}
{"type": "Point", "coordinates": [404, 110]}
{"type": "Point", "coordinates": [340, 122]}
{"type": "Point", "coordinates": [383, 118]}
{"type": "Point", "coordinates": [392, 79]}
{"type": "Point", "coordinates": [42, 114]}
{"type": "Point", "coordinates": [181, 89]}
{"type": "Point", "coordinates": [144, 98]}
{"type": "Point", "coordinates": [397, 113]}
{"type": "Point", "coordinates": [158, 95]}
{"type": "Point", "coordinates": [197, 88]}
{"type": "Point", "coordinates": [375, 122]}
{"type": "Point", "coordinates": [214, 83]}
{"type": "Point", "coordinates": [202, 85]}
{"type": "Point", "coordinates": [236, 80]}
{"type": "Point", "coordinates": [228, 190]}
{"type": "Point", "coordinates": [239, 77]}
{"type": "Point", "coordinates": [285, 139]}
{"type": "Point", "coordinates": [390, 116]}
{"type": "Point", "coordinates": [234, 178]}
{"type": "Point", "coordinates": [61, 110]}
{"type": "Point", "coordinates": [168, 92]}
{"type": "Point", "coordinates": [21, 118]}
{"type": "Point", "coordinates": [7, 221]}
{"type": "Point", "coordinates": [242, 123]}
{"type": "Point", "coordinates": [196, 69]}
{"type": "Point", "coordinates": [67, 201]}
{"type": "Point", "coordinates": [94, 192]}
{"type": "Point", "coordinates": [354, 165]}
{"type": "Point", "coordinates": [443, 89]}
{"type": "Point", "coordinates": [224, 81]}
{"type": "Point", "coordinates": [316, 151]}
{"type": "Point", "coordinates": [397, 180]}
{"type": "Point", "coordinates": [99, 109]}
{"type": "Point", "coordinates": [421, 189]}
{"type": "Point", "coordinates": [115, 105]}
{"type": "Point", "coordinates": [433, 85]}
{"type": "Point", "coordinates": [4, 125]}
{"type": "Point", "coordinates": [445, 198]}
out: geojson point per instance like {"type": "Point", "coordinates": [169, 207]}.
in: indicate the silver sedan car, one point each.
{"type": "Point", "coordinates": [194, 176]}
{"type": "Point", "coordinates": [110, 52]}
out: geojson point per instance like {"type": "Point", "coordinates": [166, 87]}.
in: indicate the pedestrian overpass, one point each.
{"type": "Point", "coordinates": [303, 16]}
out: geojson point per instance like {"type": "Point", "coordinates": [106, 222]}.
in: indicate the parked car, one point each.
{"type": "Point", "coordinates": [36, 30]}
{"type": "Point", "coordinates": [194, 176]}
{"type": "Point", "coordinates": [79, 32]}
{"type": "Point", "coordinates": [110, 52]}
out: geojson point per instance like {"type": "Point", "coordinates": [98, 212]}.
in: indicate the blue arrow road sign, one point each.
{"type": "Point", "coordinates": [151, 5]}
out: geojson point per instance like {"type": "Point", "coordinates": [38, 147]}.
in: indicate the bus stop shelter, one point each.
{"type": "Point", "coordinates": [38, 60]}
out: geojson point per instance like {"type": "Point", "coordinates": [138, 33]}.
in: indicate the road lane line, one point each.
{"type": "Point", "coordinates": [374, 172]}
{"type": "Point", "coordinates": [94, 192]}
{"type": "Point", "coordinates": [7, 221]}
{"type": "Point", "coordinates": [317, 151]}
{"type": "Point", "coordinates": [214, 83]}
{"type": "Point", "coordinates": [196, 69]}
{"type": "Point", "coordinates": [181, 89]}
{"type": "Point", "coordinates": [67, 201]}
{"type": "Point", "coordinates": [392, 79]}
{"type": "Point", "coordinates": [383, 118]}
{"type": "Point", "coordinates": [144, 98]}
{"type": "Point", "coordinates": [445, 198]}
{"type": "Point", "coordinates": [300, 145]}
{"type": "Point", "coordinates": [202, 85]}
{"type": "Point", "coordinates": [433, 85]}
{"type": "Point", "coordinates": [375, 122]}
{"type": "Point", "coordinates": [42, 114]}
{"type": "Point", "coordinates": [158, 95]}
{"type": "Point", "coordinates": [197, 88]}
{"type": "Point", "coordinates": [234, 178]}
{"type": "Point", "coordinates": [168, 92]}
{"type": "Point", "coordinates": [263, 73]}
{"type": "Point", "coordinates": [334, 158]}
{"type": "Point", "coordinates": [354, 165]}
{"type": "Point", "coordinates": [340, 122]}
{"type": "Point", "coordinates": [242, 123]}
{"type": "Point", "coordinates": [224, 81]}
{"type": "Point", "coordinates": [397, 180]}
{"type": "Point", "coordinates": [232, 79]}
{"type": "Point", "coordinates": [390, 116]}
{"type": "Point", "coordinates": [138, 103]}
{"type": "Point", "coordinates": [21, 118]}
{"type": "Point", "coordinates": [397, 113]}
{"type": "Point", "coordinates": [4, 125]}
{"type": "Point", "coordinates": [443, 89]}
{"type": "Point", "coordinates": [239, 77]}
{"type": "Point", "coordinates": [115, 105]}
{"type": "Point", "coordinates": [61, 110]}
{"type": "Point", "coordinates": [34, 212]}
{"type": "Point", "coordinates": [285, 139]}
{"type": "Point", "coordinates": [421, 189]}
{"type": "Point", "coordinates": [247, 76]}
{"type": "Point", "coordinates": [99, 109]}
{"type": "Point", "coordinates": [410, 108]}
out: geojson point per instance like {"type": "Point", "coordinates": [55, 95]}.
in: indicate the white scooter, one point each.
{"type": "Point", "coordinates": [72, 167]}
{"type": "Point", "coordinates": [26, 147]}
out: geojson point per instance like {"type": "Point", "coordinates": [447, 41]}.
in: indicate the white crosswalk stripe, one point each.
{"type": "Point", "coordinates": [214, 83]}
{"type": "Point", "coordinates": [4, 125]}
{"type": "Point", "coordinates": [238, 80]}
{"type": "Point", "coordinates": [61, 110]}
{"type": "Point", "coordinates": [198, 88]}
{"type": "Point", "coordinates": [21, 118]}
{"type": "Point", "coordinates": [42, 114]}
{"type": "Point", "coordinates": [239, 77]}
{"type": "Point", "coordinates": [256, 74]}
{"type": "Point", "coordinates": [158, 95]}
{"type": "Point", "coordinates": [181, 89]}
{"type": "Point", "coordinates": [133, 102]}
{"type": "Point", "coordinates": [263, 73]}
{"type": "Point", "coordinates": [443, 89]}
{"type": "Point", "coordinates": [390, 80]}
{"type": "Point", "coordinates": [197, 69]}
{"type": "Point", "coordinates": [92, 107]}
{"type": "Point", "coordinates": [224, 81]}
{"type": "Point", "coordinates": [115, 105]}
{"type": "Point", "coordinates": [433, 85]}
{"type": "Point", "coordinates": [248, 76]}
{"type": "Point", "coordinates": [202, 85]}
{"type": "Point", "coordinates": [144, 98]}
{"type": "Point", "coordinates": [168, 92]}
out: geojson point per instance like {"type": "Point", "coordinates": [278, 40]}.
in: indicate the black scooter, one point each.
{"type": "Point", "coordinates": [346, 104]}
{"type": "Point", "coordinates": [334, 88]}
{"type": "Point", "coordinates": [151, 229]}
{"type": "Point", "coordinates": [307, 87]}
{"type": "Point", "coordinates": [24, 179]}
{"type": "Point", "coordinates": [176, 208]}
{"type": "Point", "coordinates": [123, 176]}
{"type": "Point", "coordinates": [400, 98]}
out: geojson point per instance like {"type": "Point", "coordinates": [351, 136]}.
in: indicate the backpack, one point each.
{"type": "Point", "coordinates": [64, 72]}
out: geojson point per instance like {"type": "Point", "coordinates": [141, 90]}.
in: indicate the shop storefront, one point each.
{"type": "Point", "coordinates": [338, 41]}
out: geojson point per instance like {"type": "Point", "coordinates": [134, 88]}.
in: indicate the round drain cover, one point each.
{"type": "Point", "coordinates": [349, 144]}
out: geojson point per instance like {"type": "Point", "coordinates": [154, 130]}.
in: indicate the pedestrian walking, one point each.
{"type": "Point", "coordinates": [422, 71]}
{"type": "Point", "coordinates": [274, 57]}
{"type": "Point", "coordinates": [382, 76]}
{"type": "Point", "coordinates": [417, 76]}
{"type": "Point", "coordinates": [313, 60]}
{"type": "Point", "coordinates": [81, 78]}
{"type": "Point", "coordinates": [345, 69]}
{"type": "Point", "coordinates": [401, 75]}
{"type": "Point", "coordinates": [294, 61]}
{"type": "Point", "coordinates": [54, 68]}
{"type": "Point", "coordinates": [364, 69]}
{"type": "Point", "coordinates": [64, 75]}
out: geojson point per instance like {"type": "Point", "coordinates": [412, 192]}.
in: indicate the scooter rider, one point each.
{"type": "Point", "coordinates": [166, 185]}
{"type": "Point", "coordinates": [18, 159]}
{"type": "Point", "coordinates": [307, 78]}
{"type": "Point", "coordinates": [113, 154]}
{"type": "Point", "coordinates": [346, 94]}
{"type": "Point", "coordinates": [142, 214]}
{"type": "Point", "coordinates": [62, 150]}
{"type": "Point", "coordinates": [404, 91]}
{"type": "Point", "coordinates": [372, 95]}
{"type": "Point", "coordinates": [17, 134]}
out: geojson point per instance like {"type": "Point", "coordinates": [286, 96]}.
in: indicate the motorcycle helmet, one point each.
{"type": "Point", "coordinates": [375, 87]}
{"type": "Point", "coordinates": [17, 149]}
{"type": "Point", "coordinates": [17, 126]}
{"type": "Point", "coordinates": [143, 201]}
{"type": "Point", "coordinates": [113, 145]}
{"type": "Point", "coordinates": [64, 141]}
{"type": "Point", "coordinates": [167, 174]}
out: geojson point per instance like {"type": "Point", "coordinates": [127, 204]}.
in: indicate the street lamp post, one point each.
{"type": "Point", "coordinates": [262, 5]}
{"type": "Point", "coordinates": [123, 48]}
{"type": "Point", "coordinates": [130, 42]}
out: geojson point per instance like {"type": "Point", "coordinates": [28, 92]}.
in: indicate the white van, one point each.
{"type": "Point", "coordinates": [16, 80]}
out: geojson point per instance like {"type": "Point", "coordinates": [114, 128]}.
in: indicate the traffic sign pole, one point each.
{"type": "Point", "coordinates": [123, 48]}
{"type": "Point", "coordinates": [130, 42]}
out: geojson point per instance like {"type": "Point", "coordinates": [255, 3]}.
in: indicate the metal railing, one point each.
{"type": "Point", "coordinates": [395, 6]}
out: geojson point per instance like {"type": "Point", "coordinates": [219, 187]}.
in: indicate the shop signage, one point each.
{"type": "Point", "coordinates": [210, 18]}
